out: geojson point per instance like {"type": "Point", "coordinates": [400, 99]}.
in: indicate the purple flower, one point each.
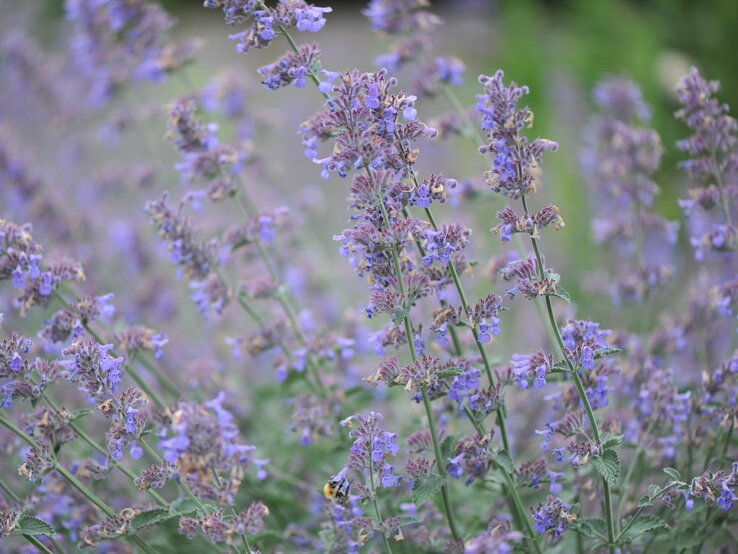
{"type": "Point", "coordinates": [310, 18]}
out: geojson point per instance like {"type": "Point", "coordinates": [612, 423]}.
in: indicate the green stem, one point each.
{"type": "Point", "coordinates": [475, 333]}
{"type": "Point", "coordinates": [72, 480]}
{"type": "Point", "coordinates": [721, 190]}
{"type": "Point", "coordinates": [144, 386]}
{"type": "Point", "coordinates": [631, 469]}
{"type": "Point", "coordinates": [187, 490]}
{"type": "Point", "coordinates": [14, 497]}
{"type": "Point", "coordinates": [100, 449]}
{"type": "Point", "coordinates": [726, 443]}
{"type": "Point", "coordinates": [38, 544]}
{"type": "Point", "coordinates": [470, 130]}
{"type": "Point", "coordinates": [387, 546]}
{"type": "Point", "coordinates": [423, 389]}
{"type": "Point", "coordinates": [478, 140]}
{"type": "Point", "coordinates": [151, 393]}
{"type": "Point", "coordinates": [580, 388]}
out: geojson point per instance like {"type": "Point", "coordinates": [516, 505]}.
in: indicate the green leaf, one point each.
{"type": "Point", "coordinates": [608, 465]}
{"type": "Point", "coordinates": [399, 316]}
{"type": "Point", "coordinates": [654, 490]}
{"type": "Point", "coordinates": [450, 372]}
{"type": "Point", "coordinates": [150, 517]}
{"type": "Point", "coordinates": [267, 535]}
{"type": "Point", "coordinates": [604, 353]}
{"type": "Point", "coordinates": [673, 473]}
{"type": "Point", "coordinates": [354, 390]}
{"type": "Point", "coordinates": [561, 293]}
{"type": "Point", "coordinates": [645, 502]}
{"type": "Point", "coordinates": [78, 414]}
{"type": "Point", "coordinates": [405, 520]}
{"type": "Point", "coordinates": [425, 489]}
{"type": "Point", "coordinates": [611, 441]}
{"type": "Point", "coordinates": [592, 527]}
{"type": "Point", "coordinates": [503, 459]}
{"type": "Point", "coordinates": [643, 525]}
{"type": "Point", "coordinates": [447, 446]}
{"type": "Point", "coordinates": [560, 367]}
{"type": "Point", "coordinates": [29, 525]}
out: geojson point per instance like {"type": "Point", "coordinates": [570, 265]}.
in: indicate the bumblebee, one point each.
{"type": "Point", "coordinates": [337, 488]}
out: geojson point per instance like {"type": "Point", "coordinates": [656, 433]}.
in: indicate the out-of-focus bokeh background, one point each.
{"type": "Point", "coordinates": [97, 168]}
{"type": "Point", "coordinates": [559, 48]}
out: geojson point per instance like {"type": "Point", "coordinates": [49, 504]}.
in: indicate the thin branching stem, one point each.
{"type": "Point", "coordinates": [578, 383]}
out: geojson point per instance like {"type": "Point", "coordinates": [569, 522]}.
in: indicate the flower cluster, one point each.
{"type": "Point", "coordinates": [552, 516]}
{"type": "Point", "coordinates": [197, 259]}
{"type": "Point", "coordinates": [515, 158]}
{"type": "Point", "coordinates": [116, 41]}
{"type": "Point", "coordinates": [221, 528]}
{"type": "Point", "coordinates": [715, 488]}
{"type": "Point", "coordinates": [122, 446]}
{"type": "Point", "coordinates": [372, 447]}
{"type": "Point", "coordinates": [20, 263]}
{"type": "Point", "coordinates": [619, 161]}
{"type": "Point", "coordinates": [201, 442]}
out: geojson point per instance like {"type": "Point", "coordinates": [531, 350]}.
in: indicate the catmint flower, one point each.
{"type": "Point", "coordinates": [195, 258]}
{"type": "Point", "coordinates": [20, 259]}
{"type": "Point", "coordinates": [529, 281]}
{"type": "Point", "coordinates": [552, 517]}
{"type": "Point", "coordinates": [37, 462]}
{"type": "Point", "coordinates": [472, 458]}
{"type": "Point", "coordinates": [499, 538]}
{"type": "Point", "coordinates": [291, 68]}
{"type": "Point", "coordinates": [515, 158]}
{"type": "Point", "coordinates": [266, 20]}
{"type": "Point", "coordinates": [619, 161]}
{"type": "Point", "coordinates": [142, 338]}
{"type": "Point", "coordinates": [531, 366]}
{"type": "Point", "coordinates": [511, 222]}
{"type": "Point", "coordinates": [372, 447]}
{"type": "Point", "coordinates": [441, 244]}
{"type": "Point", "coordinates": [310, 18]}
{"type": "Point", "coordinates": [312, 417]}
{"type": "Point", "coordinates": [584, 341]}
{"type": "Point", "coordinates": [713, 161]}
{"type": "Point", "coordinates": [716, 488]}
{"type": "Point", "coordinates": [113, 43]}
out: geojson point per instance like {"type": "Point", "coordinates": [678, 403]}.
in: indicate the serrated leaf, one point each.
{"type": "Point", "coordinates": [643, 525]}
{"type": "Point", "coordinates": [611, 441]}
{"type": "Point", "coordinates": [645, 502]}
{"type": "Point", "coordinates": [608, 465]}
{"type": "Point", "coordinates": [560, 367]}
{"type": "Point", "coordinates": [450, 372]}
{"type": "Point", "coordinates": [605, 352]}
{"type": "Point", "coordinates": [150, 517]}
{"type": "Point", "coordinates": [673, 473]}
{"type": "Point", "coordinates": [592, 527]}
{"type": "Point", "coordinates": [29, 525]}
{"type": "Point", "coordinates": [425, 489]}
{"type": "Point", "coordinates": [503, 459]}
{"type": "Point", "coordinates": [405, 520]}
{"type": "Point", "coordinates": [561, 293]}
{"type": "Point", "coordinates": [447, 446]}
{"type": "Point", "coordinates": [654, 490]}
